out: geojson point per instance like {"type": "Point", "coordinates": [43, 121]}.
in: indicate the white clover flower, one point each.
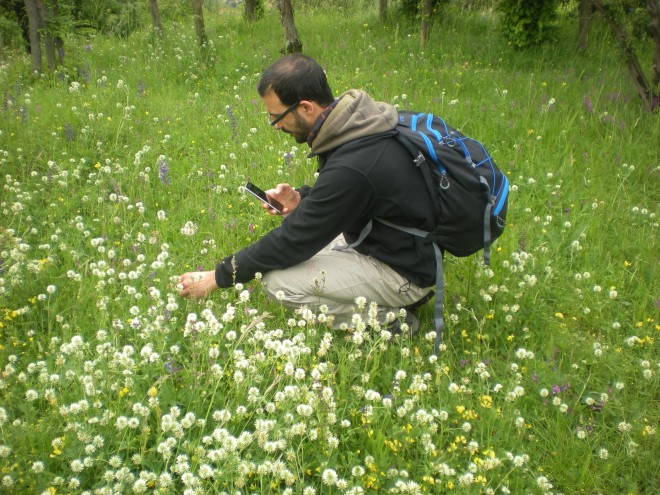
{"type": "Point", "coordinates": [400, 375]}
{"type": "Point", "coordinates": [466, 479]}
{"type": "Point", "coordinates": [543, 483]}
{"type": "Point", "coordinates": [205, 471]}
{"type": "Point", "coordinates": [165, 480]}
{"type": "Point", "coordinates": [304, 410]}
{"type": "Point", "coordinates": [329, 477]}
{"type": "Point", "coordinates": [623, 426]}
{"type": "Point", "coordinates": [603, 454]}
{"type": "Point", "coordinates": [358, 471]}
{"type": "Point", "coordinates": [189, 229]}
{"type": "Point", "coordinates": [77, 466]}
{"type": "Point", "coordinates": [140, 486]}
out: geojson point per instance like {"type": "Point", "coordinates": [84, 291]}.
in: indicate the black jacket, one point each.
{"type": "Point", "coordinates": [364, 173]}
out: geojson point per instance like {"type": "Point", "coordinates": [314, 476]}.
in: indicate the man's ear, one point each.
{"type": "Point", "coordinates": [311, 108]}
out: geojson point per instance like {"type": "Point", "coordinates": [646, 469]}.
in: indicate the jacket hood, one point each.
{"type": "Point", "coordinates": [356, 115]}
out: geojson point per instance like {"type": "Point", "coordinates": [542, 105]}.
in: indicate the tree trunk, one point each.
{"type": "Point", "coordinates": [198, 15]}
{"type": "Point", "coordinates": [382, 10]}
{"type": "Point", "coordinates": [155, 17]}
{"type": "Point", "coordinates": [34, 21]}
{"type": "Point", "coordinates": [654, 13]}
{"type": "Point", "coordinates": [584, 13]}
{"type": "Point", "coordinates": [49, 39]}
{"type": "Point", "coordinates": [18, 7]}
{"type": "Point", "coordinates": [427, 10]}
{"type": "Point", "coordinates": [650, 100]}
{"type": "Point", "coordinates": [58, 42]}
{"type": "Point", "coordinates": [250, 10]}
{"type": "Point", "coordinates": [293, 43]}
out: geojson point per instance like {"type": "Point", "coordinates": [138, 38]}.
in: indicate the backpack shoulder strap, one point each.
{"type": "Point", "coordinates": [438, 310]}
{"type": "Point", "coordinates": [420, 161]}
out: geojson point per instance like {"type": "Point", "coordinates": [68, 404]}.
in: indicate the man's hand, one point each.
{"type": "Point", "coordinates": [286, 195]}
{"type": "Point", "coordinates": [195, 285]}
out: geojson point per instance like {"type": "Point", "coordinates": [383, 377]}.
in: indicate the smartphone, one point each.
{"type": "Point", "coordinates": [261, 195]}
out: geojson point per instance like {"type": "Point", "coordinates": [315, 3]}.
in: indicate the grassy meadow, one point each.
{"type": "Point", "coordinates": [125, 168]}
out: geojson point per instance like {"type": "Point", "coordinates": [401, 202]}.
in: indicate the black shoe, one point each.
{"type": "Point", "coordinates": [411, 320]}
{"type": "Point", "coordinates": [416, 305]}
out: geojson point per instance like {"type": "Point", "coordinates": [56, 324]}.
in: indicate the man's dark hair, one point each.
{"type": "Point", "coordinates": [296, 77]}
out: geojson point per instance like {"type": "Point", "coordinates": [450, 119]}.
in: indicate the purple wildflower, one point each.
{"type": "Point", "coordinates": [69, 133]}
{"type": "Point", "coordinates": [164, 172]}
{"type": "Point", "coordinates": [233, 122]}
{"type": "Point", "coordinates": [172, 366]}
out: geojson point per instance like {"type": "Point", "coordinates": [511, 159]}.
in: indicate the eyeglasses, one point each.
{"type": "Point", "coordinates": [278, 118]}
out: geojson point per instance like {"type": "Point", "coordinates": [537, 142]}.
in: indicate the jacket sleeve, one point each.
{"type": "Point", "coordinates": [304, 191]}
{"type": "Point", "coordinates": [327, 210]}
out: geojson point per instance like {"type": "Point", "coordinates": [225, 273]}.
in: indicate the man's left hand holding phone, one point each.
{"type": "Point", "coordinates": [279, 201]}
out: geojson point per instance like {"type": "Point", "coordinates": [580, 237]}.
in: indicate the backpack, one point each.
{"type": "Point", "coordinates": [470, 192]}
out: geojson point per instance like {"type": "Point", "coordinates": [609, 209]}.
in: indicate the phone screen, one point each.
{"type": "Point", "coordinates": [261, 195]}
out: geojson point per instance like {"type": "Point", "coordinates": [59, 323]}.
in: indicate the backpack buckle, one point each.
{"type": "Point", "coordinates": [420, 159]}
{"type": "Point", "coordinates": [444, 182]}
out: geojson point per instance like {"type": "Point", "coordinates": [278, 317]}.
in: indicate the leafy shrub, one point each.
{"type": "Point", "coordinates": [413, 8]}
{"type": "Point", "coordinates": [527, 23]}
{"type": "Point", "coordinates": [119, 17]}
{"type": "Point", "coordinates": [10, 34]}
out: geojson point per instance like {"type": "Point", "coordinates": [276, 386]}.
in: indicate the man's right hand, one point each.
{"type": "Point", "coordinates": [286, 195]}
{"type": "Point", "coordinates": [194, 285]}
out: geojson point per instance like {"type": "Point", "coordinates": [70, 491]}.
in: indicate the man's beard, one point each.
{"type": "Point", "coordinates": [300, 130]}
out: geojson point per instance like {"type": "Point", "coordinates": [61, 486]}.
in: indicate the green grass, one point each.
{"type": "Point", "coordinates": [547, 381]}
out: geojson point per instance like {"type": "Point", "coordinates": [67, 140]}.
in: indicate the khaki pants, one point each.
{"type": "Point", "coordinates": [335, 278]}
